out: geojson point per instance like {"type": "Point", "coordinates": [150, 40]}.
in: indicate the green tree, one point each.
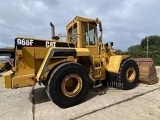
{"type": "Point", "coordinates": [153, 40]}
{"type": "Point", "coordinates": [119, 52]}
{"type": "Point", "coordinates": [141, 49]}
{"type": "Point", "coordinates": [134, 51]}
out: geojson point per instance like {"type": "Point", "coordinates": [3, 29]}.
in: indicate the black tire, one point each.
{"type": "Point", "coordinates": [55, 83]}
{"type": "Point", "coordinates": [128, 67]}
{"type": "Point", "coordinates": [45, 83]}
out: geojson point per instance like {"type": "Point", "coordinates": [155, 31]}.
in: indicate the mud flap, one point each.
{"type": "Point", "coordinates": [148, 74]}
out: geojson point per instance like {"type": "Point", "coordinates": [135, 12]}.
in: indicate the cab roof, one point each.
{"type": "Point", "coordinates": [82, 19]}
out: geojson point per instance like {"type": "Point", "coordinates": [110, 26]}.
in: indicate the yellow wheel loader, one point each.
{"type": "Point", "coordinates": [69, 68]}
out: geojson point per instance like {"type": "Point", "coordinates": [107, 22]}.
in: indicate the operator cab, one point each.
{"type": "Point", "coordinates": [82, 32]}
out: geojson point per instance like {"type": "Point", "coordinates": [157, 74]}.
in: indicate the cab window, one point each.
{"type": "Point", "coordinates": [90, 38]}
{"type": "Point", "coordinates": [73, 33]}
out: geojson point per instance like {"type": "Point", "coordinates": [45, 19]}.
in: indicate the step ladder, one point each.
{"type": "Point", "coordinates": [97, 65]}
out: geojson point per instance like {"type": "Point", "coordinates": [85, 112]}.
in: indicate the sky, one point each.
{"type": "Point", "coordinates": [125, 22]}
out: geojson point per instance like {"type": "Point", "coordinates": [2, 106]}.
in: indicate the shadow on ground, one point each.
{"type": "Point", "coordinates": [40, 95]}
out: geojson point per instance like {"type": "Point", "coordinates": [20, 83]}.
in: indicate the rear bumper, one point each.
{"type": "Point", "coordinates": [10, 81]}
{"type": "Point", "coordinates": [7, 79]}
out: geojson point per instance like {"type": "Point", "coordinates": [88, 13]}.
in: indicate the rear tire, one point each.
{"type": "Point", "coordinates": [45, 83]}
{"type": "Point", "coordinates": [128, 74]}
{"type": "Point", "coordinates": [68, 84]}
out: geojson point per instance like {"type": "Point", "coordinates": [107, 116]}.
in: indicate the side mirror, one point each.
{"type": "Point", "coordinates": [111, 44]}
{"type": "Point", "coordinates": [100, 27]}
{"type": "Point", "coordinates": [106, 44]}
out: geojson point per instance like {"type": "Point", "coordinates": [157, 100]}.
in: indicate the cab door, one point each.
{"type": "Point", "coordinates": [90, 40]}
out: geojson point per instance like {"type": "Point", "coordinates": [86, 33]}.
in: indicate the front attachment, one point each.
{"type": "Point", "coordinates": [147, 70]}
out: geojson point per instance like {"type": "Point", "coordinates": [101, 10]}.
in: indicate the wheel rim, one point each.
{"type": "Point", "coordinates": [71, 85]}
{"type": "Point", "coordinates": [131, 74]}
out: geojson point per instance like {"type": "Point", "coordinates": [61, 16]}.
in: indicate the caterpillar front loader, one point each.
{"type": "Point", "coordinates": [69, 68]}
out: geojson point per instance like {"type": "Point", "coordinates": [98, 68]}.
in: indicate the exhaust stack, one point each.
{"type": "Point", "coordinates": [52, 30]}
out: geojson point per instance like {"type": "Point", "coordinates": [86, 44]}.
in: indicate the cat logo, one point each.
{"type": "Point", "coordinates": [48, 44]}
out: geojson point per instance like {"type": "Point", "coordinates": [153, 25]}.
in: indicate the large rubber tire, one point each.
{"type": "Point", "coordinates": [128, 74]}
{"type": "Point", "coordinates": [55, 90]}
{"type": "Point", "coordinates": [45, 83]}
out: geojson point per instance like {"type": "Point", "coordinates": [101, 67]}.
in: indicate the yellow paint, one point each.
{"type": "Point", "coordinates": [23, 80]}
{"type": "Point", "coordinates": [25, 63]}
{"type": "Point", "coordinates": [115, 62]}
{"type": "Point", "coordinates": [82, 52]}
{"type": "Point", "coordinates": [17, 81]}
{"type": "Point", "coordinates": [6, 79]}
{"type": "Point", "coordinates": [103, 73]}
{"type": "Point", "coordinates": [43, 63]}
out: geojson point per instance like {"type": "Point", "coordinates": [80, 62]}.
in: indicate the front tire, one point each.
{"type": "Point", "coordinates": [68, 85]}
{"type": "Point", "coordinates": [128, 74]}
